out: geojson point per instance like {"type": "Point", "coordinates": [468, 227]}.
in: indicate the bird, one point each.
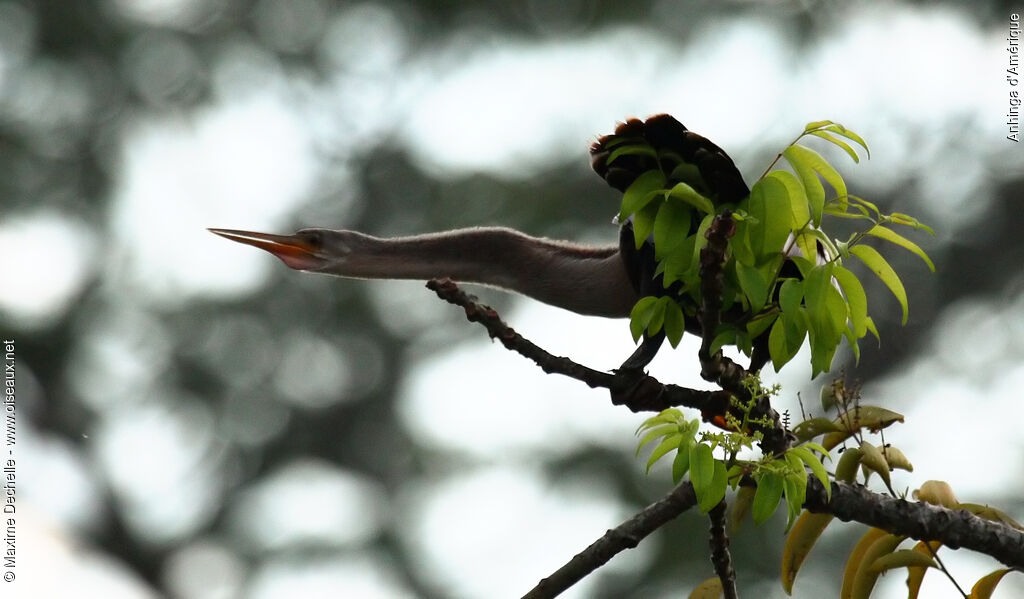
{"type": "Point", "coordinates": [604, 281]}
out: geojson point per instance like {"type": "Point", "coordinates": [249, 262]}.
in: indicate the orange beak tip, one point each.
{"type": "Point", "coordinates": [294, 252]}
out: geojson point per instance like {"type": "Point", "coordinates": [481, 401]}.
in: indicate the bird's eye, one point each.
{"type": "Point", "coordinates": [312, 237]}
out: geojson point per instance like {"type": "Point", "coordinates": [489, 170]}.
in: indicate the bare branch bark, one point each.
{"type": "Point", "coordinates": [645, 394]}
{"type": "Point", "coordinates": [624, 536]}
{"type": "Point", "coordinates": [714, 366]}
{"type": "Point", "coordinates": [721, 559]}
{"type": "Point", "coordinates": [918, 520]}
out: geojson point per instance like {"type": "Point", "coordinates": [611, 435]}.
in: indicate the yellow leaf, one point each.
{"type": "Point", "coordinates": [937, 492]}
{"type": "Point", "coordinates": [799, 543]}
{"type": "Point", "coordinates": [709, 589]}
{"type": "Point", "coordinates": [865, 578]}
{"type": "Point", "coordinates": [855, 559]}
{"type": "Point", "coordinates": [904, 558]}
{"type": "Point", "coordinates": [915, 575]}
{"type": "Point", "coordinates": [986, 584]}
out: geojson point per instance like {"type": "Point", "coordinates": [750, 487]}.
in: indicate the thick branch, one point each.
{"type": "Point", "coordinates": [721, 559]}
{"type": "Point", "coordinates": [921, 521]}
{"type": "Point", "coordinates": [715, 367]}
{"type": "Point", "coordinates": [624, 536]}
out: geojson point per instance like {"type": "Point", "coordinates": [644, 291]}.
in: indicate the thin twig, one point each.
{"type": "Point", "coordinates": [624, 536]}
{"type": "Point", "coordinates": [637, 391]}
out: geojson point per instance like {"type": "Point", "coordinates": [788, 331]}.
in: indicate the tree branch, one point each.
{"type": "Point", "coordinates": [637, 391]}
{"type": "Point", "coordinates": [922, 521]}
{"type": "Point", "coordinates": [624, 536]}
{"type": "Point", "coordinates": [918, 520]}
{"type": "Point", "coordinates": [721, 559]}
{"type": "Point", "coordinates": [715, 367]}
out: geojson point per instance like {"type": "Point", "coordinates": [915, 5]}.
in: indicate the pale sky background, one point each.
{"type": "Point", "coordinates": [907, 79]}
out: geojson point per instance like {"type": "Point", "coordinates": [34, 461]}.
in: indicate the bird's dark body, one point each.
{"type": "Point", "coordinates": [719, 180]}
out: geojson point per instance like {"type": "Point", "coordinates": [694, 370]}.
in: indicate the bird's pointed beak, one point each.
{"type": "Point", "coordinates": [294, 251]}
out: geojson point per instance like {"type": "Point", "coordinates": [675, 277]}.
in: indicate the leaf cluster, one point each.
{"type": "Point", "coordinates": [878, 551]}
{"type": "Point", "coordinates": [784, 272]}
{"type": "Point", "coordinates": [777, 478]}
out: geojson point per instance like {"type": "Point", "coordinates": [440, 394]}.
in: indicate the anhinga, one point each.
{"type": "Point", "coordinates": [601, 281]}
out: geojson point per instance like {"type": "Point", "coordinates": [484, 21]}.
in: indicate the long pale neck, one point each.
{"type": "Point", "coordinates": [582, 279]}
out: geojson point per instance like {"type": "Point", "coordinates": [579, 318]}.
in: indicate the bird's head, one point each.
{"type": "Point", "coordinates": [313, 250]}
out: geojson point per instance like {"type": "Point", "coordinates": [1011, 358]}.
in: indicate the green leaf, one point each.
{"type": "Point", "coordinates": [808, 429]}
{"type": "Point", "coordinates": [715, 491]}
{"type": "Point", "coordinates": [786, 337]}
{"type": "Point", "coordinates": [680, 261]}
{"type": "Point", "coordinates": [798, 210]}
{"type": "Point", "coordinates": [835, 140]}
{"type": "Point", "coordinates": [702, 467]}
{"type": "Point", "coordinates": [681, 463]}
{"type": "Point", "coordinates": [905, 219]}
{"type": "Point", "coordinates": [760, 323]}
{"type": "Point", "coordinates": [849, 134]}
{"type": "Point", "coordinates": [767, 496]}
{"type": "Point", "coordinates": [892, 236]}
{"type": "Point", "coordinates": [817, 468]}
{"type": "Point", "coordinates": [675, 322]}
{"type": "Point", "coordinates": [727, 336]}
{"type": "Point", "coordinates": [685, 193]}
{"type": "Point", "coordinates": [668, 444]}
{"type": "Point", "coordinates": [795, 485]}
{"type": "Point", "coordinates": [846, 469]}
{"type": "Point", "coordinates": [740, 244]}
{"type": "Point", "coordinates": [657, 316]}
{"type": "Point", "coordinates": [854, 346]}
{"type": "Point", "coordinates": [634, 148]}
{"type": "Point", "coordinates": [871, 328]}
{"type": "Point", "coordinates": [791, 294]}
{"type": "Point", "coordinates": [671, 227]}
{"type": "Point", "coordinates": [808, 164]}
{"type": "Point", "coordinates": [741, 505]}
{"type": "Point", "coordinates": [813, 189]}
{"type": "Point", "coordinates": [643, 220]}
{"type": "Point", "coordinates": [753, 284]}
{"type": "Point", "coordinates": [855, 298]}
{"type": "Point", "coordinates": [874, 460]}
{"type": "Point", "coordinates": [661, 430]}
{"type": "Point", "coordinates": [816, 125]}
{"type": "Point", "coordinates": [869, 206]}
{"type": "Point", "coordinates": [818, 447]}
{"type": "Point", "coordinates": [827, 312]}
{"type": "Point", "coordinates": [641, 315]}
{"type": "Point", "coordinates": [874, 261]}
{"type": "Point", "coordinates": [777, 347]}
{"type": "Point", "coordinates": [687, 173]}
{"type": "Point", "coordinates": [641, 192]}
{"type": "Point", "coordinates": [667, 416]}
{"type": "Point", "coordinates": [770, 205]}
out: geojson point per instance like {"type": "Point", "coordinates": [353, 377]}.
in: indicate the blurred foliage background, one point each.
{"type": "Point", "coordinates": [195, 420]}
